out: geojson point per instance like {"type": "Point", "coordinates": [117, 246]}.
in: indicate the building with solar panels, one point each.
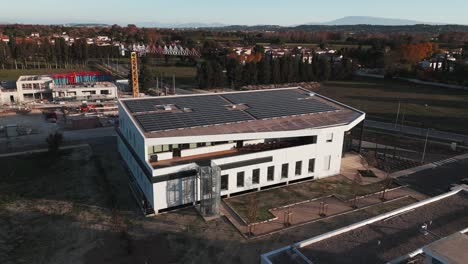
{"type": "Point", "coordinates": [196, 149]}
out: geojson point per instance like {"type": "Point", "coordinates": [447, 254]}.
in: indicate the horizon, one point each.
{"type": "Point", "coordinates": [242, 12]}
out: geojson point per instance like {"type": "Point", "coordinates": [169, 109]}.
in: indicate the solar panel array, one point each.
{"type": "Point", "coordinates": [211, 109]}
{"type": "Point", "coordinates": [279, 103]}
{"type": "Point", "coordinates": [205, 110]}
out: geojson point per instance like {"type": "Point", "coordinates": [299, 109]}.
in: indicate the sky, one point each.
{"type": "Point", "coordinates": [239, 12]}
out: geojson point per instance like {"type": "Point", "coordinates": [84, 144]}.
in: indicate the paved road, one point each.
{"type": "Point", "coordinates": [437, 180]}
{"type": "Point", "coordinates": [420, 132]}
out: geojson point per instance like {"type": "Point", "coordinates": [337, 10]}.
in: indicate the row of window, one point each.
{"type": "Point", "coordinates": [270, 174]}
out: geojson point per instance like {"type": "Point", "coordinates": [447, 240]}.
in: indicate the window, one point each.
{"type": "Point", "coordinates": [298, 167]}
{"type": "Point", "coordinates": [224, 182]}
{"type": "Point", "coordinates": [256, 176]}
{"type": "Point", "coordinates": [240, 179]}
{"type": "Point", "coordinates": [284, 170]}
{"type": "Point", "coordinates": [271, 173]}
{"type": "Point", "coordinates": [311, 165]}
{"type": "Point", "coordinates": [103, 92]}
{"type": "Point", "coordinates": [327, 161]}
{"type": "Point", "coordinates": [330, 137]}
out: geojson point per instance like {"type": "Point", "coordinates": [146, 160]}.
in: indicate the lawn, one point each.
{"type": "Point", "coordinates": [183, 75]}
{"type": "Point", "coordinates": [12, 75]}
{"type": "Point", "coordinates": [315, 45]}
{"type": "Point", "coordinates": [423, 106]}
{"type": "Point", "coordinates": [42, 176]}
{"type": "Point", "coordinates": [338, 186]}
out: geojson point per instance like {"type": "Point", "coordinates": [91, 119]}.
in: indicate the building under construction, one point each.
{"type": "Point", "coordinates": [73, 86]}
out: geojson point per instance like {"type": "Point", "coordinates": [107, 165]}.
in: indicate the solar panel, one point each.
{"type": "Point", "coordinates": [278, 103]}
{"type": "Point", "coordinates": [211, 109]}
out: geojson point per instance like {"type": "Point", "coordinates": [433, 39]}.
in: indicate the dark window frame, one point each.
{"type": "Point", "coordinates": [226, 177]}
{"type": "Point", "coordinates": [284, 171]}
{"type": "Point", "coordinates": [271, 173]}
{"type": "Point", "coordinates": [240, 174]}
{"type": "Point", "coordinates": [311, 167]}
{"type": "Point", "coordinates": [298, 168]}
{"type": "Point", "coordinates": [256, 176]}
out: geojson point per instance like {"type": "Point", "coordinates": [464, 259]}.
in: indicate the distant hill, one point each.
{"type": "Point", "coordinates": [368, 20]}
{"type": "Point", "coordinates": [180, 25]}
{"type": "Point", "coordinates": [86, 25]}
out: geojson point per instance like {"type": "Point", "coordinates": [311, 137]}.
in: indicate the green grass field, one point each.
{"type": "Point", "coordinates": [12, 75]}
{"type": "Point", "coordinates": [314, 45]}
{"type": "Point", "coordinates": [423, 106]}
{"type": "Point", "coordinates": [185, 76]}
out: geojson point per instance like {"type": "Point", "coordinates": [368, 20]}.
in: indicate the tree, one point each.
{"type": "Point", "coordinates": [264, 71]}
{"type": "Point", "coordinates": [54, 140]}
{"type": "Point", "coordinates": [217, 79]}
{"type": "Point", "coordinates": [275, 71]}
{"type": "Point", "coordinates": [252, 211]}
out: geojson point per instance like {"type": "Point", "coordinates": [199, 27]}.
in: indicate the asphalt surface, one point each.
{"type": "Point", "coordinates": [437, 181]}
{"type": "Point", "coordinates": [419, 132]}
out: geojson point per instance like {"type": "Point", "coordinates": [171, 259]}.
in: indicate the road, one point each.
{"type": "Point", "coordinates": [419, 132]}
{"type": "Point", "coordinates": [438, 180]}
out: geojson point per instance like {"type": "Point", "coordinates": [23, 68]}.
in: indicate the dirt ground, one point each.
{"type": "Point", "coordinates": [338, 185]}
{"type": "Point", "coordinates": [77, 208]}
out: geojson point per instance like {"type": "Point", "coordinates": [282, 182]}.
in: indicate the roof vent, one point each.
{"type": "Point", "coordinates": [167, 107]}
{"type": "Point", "coordinates": [311, 94]}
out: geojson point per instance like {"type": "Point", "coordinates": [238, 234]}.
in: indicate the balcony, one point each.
{"type": "Point", "coordinates": [205, 158]}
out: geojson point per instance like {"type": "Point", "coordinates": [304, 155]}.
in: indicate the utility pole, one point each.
{"type": "Point", "coordinates": [425, 146]}
{"type": "Point", "coordinates": [398, 113]}
{"type": "Point", "coordinates": [173, 84]}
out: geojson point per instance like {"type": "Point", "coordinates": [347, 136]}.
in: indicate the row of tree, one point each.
{"type": "Point", "coordinates": [268, 70]}
{"type": "Point", "coordinates": [45, 54]}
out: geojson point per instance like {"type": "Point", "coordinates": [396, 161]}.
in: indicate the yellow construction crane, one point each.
{"type": "Point", "coordinates": [135, 86]}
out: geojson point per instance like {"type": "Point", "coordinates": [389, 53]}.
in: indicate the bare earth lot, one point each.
{"type": "Point", "coordinates": [338, 186]}
{"type": "Point", "coordinates": [76, 208]}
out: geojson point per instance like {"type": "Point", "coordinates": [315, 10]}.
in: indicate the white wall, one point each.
{"type": "Point", "coordinates": [177, 192]}
{"type": "Point", "coordinates": [145, 185]}
{"type": "Point", "coordinates": [208, 149]}
{"type": "Point", "coordinates": [290, 156]}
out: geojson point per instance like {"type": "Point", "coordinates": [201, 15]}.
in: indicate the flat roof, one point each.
{"type": "Point", "coordinates": [453, 249]}
{"type": "Point", "coordinates": [236, 112]}
{"type": "Point", "coordinates": [26, 78]}
{"type": "Point", "coordinates": [390, 238]}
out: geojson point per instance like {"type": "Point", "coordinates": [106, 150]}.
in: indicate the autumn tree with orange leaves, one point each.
{"type": "Point", "coordinates": [414, 53]}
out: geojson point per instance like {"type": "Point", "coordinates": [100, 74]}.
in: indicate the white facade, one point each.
{"type": "Point", "coordinates": [29, 88]}
{"type": "Point", "coordinates": [101, 90]}
{"type": "Point", "coordinates": [288, 152]}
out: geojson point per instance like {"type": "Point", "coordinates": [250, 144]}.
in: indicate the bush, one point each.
{"type": "Point", "coordinates": [54, 141]}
